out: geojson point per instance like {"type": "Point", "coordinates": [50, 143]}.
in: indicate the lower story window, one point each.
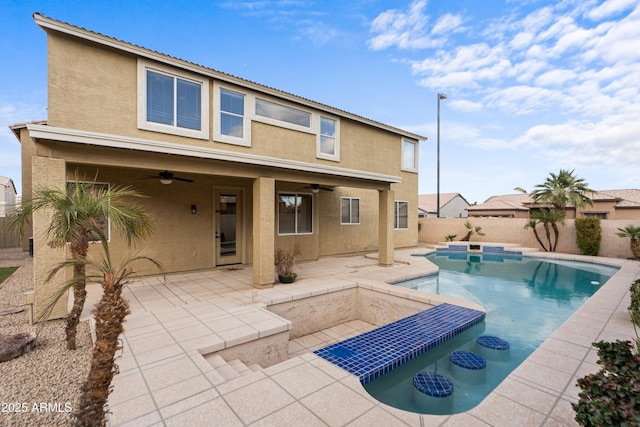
{"type": "Point", "coordinates": [295, 213]}
{"type": "Point", "coordinates": [601, 215]}
{"type": "Point", "coordinates": [401, 217]}
{"type": "Point", "coordinates": [349, 210]}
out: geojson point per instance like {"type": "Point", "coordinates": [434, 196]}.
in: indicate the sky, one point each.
{"type": "Point", "coordinates": [532, 86]}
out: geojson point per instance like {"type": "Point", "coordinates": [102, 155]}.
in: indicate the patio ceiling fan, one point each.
{"type": "Point", "coordinates": [316, 188]}
{"type": "Point", "coordinates": [167, 177]}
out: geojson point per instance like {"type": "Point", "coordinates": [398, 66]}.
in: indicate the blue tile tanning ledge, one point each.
{"type": "Point", "coordinates": [372, 354]}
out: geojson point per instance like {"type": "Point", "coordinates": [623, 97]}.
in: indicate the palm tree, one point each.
{"type": "Point", "coordinates": [561, 190]}
{"type": "Point", "coordinates": [634, 233]}
{"type": "Point", "coordinates": [556, 193]}
{"type": "Point", "coordinates": [77, 216]}
{"type": "Point", "coordinates": [549, 219]}
{"type": "Point", "coordinates": [109, 315]}
{"type": "Point", "coordinates": [470, 231]}
{"type": "Point", "coordinates": [532, 224]}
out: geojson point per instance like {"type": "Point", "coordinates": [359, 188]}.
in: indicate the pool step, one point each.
{"type": "Point", "coordinates": [227, 371]}
{"type": "Point", "coordinates": [467, 366]}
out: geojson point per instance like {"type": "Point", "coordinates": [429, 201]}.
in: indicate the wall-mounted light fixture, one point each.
{"type": "Point", "coordinates": [194, 210]}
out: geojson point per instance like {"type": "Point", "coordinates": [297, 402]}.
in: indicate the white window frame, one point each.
{"type": "Point", "coordinates": [296, 232]}
{"type": "Point", "coordinates": [404, 167]}
{"type": "Point", "coordinates": [317, 125]}
{"type": "Point", "coordinates": [143, 67]}
{"type": "Point", "coordinates": [246, 121]}
{"type": "Point", "coordinates": [351, 222]}
{"type": "Point", "coordinates": [250, 116]}
{"type": "Point", "coordinates": [396, 215]}
{"type": "Point", "coordinates": [278, 122]}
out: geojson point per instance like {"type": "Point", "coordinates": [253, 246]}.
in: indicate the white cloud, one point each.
{"type": "Point", "coordinates": [466, 106]}
{"type": "Point", "coordinates": [318, 33]}
{"type": "Point", "coordinates": [448, 23]}
{"type": "Point", "coordinates": [555, 77]}
{"type": "Point", "coordinates": [407, 29]}
{"type": "Point", "coordinates": [557, 87]}
{"type": "Point", "coordinates": [609, 8]}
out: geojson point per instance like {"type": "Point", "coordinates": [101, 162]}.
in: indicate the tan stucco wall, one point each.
{"type": "Point", "coordinates": [511, 230]}
{"type": "Point", "coordinates": [99, 79]}
{"type": "Point", "coordinates": [407, 191]}
{"type": "Point", "coordinates": [50, 173]}
{"type": "Point", "coordinates": [181, 241]}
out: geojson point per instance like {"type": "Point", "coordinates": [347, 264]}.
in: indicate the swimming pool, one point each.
{"type": "Point", "coordinates": [526, 300]}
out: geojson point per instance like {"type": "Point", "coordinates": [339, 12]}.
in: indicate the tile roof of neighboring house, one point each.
{"type": "Point", "coordinates": [429, 202]}
{"type": "Point", "coordinates": [625, 199]}
{"type": "Point", "coordinates": [504, 202]}
{"type": "Point", "coordinates": [46, 22]}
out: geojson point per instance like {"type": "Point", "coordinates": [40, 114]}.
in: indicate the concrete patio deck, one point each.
{"type": "Point", "coordinates": [165, 381]}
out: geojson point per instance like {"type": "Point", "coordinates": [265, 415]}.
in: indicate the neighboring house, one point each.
{"type": "Point", "coordinates": [232, 169]}
{"type": "Point", "coordinates": [506, 206]}
{"type": "Point", "coordinates": [8, 197]}
{"type": "Point", "coordinates": [452, 205]}
{"type": "Point", "coordinates": [607, 204]}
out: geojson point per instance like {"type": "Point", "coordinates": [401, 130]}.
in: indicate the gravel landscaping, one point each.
{"type": "Point", "coordinates": [41, 387]}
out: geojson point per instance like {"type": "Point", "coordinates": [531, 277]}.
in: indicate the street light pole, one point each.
{"type": "Point", "coordinates": [440, 97]}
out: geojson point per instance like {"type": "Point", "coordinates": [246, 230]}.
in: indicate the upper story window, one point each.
{"type": "Point", "coordinates": [280, 112]}
{"type": "Point", "coordinates": [236, 108]}
{"type": "Point", "coordinates": [231, 113]}
{"type": "Point", "coordinates": [233, 123]}
{"type": "Point", "coordinates": [328, 141]}
{"type": "Point", "coordinates": [170, 101]}
{"type": "Point", "coordinates": [349, 210]}
{"type": "Point", "coordinates": [295, 213]}
{"type": "Point", "coordinates": [401, 215]}
{"type": "Point", "coordinates": [409, 155]}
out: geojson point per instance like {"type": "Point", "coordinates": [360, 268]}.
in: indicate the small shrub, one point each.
{"type": "Point", "coordinates": [634, 310]}
{"type": "Point", "coordinates": [611, 397]}
{"type": "Point", "coordinates": [588, 235]}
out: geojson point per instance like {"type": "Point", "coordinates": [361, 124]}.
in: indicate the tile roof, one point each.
{"type": "Point", "coordinates": [504, 202]}
{"type": "Point", "coordinates": [624, 198]}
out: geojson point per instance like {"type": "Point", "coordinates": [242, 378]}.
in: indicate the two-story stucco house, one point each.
{"type": "Point", "coordinates": [232, 169]}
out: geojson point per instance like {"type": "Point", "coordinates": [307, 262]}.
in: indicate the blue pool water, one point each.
{"type": "Point", "coordinates": [526, 300]}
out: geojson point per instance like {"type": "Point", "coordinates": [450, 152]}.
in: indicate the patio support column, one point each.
{"type": "Point", "coordinates": [385, 227]}
{"type": "Point", "coordinates": [49, 173]}
{"type": "Point", "coordinates": [264, 190]}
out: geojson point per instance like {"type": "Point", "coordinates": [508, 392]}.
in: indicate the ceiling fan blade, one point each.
{"type": "Point", "coordinates": [182, 179]}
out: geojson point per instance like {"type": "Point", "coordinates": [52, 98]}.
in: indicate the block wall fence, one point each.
{"type": "Point", "coordinates": [511, 230]}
